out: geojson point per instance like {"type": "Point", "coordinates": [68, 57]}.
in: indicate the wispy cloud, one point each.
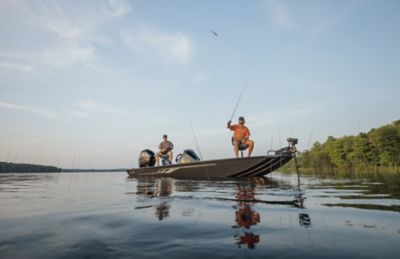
{"type": "Point", "coordinates": [64, 38]}
{"type": "Point", "coordinates": [50, 114]}
{"type": "Point", "coordinates": [279, 14]}
{"type": "Point", "coordinates": [69, 54]}
{"type": "Point", "coordinates": [117, 8]}
{"type": "Point", "coordinates": [78, 114]}
{"type": "Point", "coordinates": [146, 41]}
{"type": "Point", "coordinates": [83, 110]}
{"type": "Point", "coordinates": [20, 68]}
{"type": "Point", "coordinates": [199, 77]}
{"type": "Point", "coordinates": [328, 21]}
{"type": "Point", "coordinates": [275, 117]}
{"type": "Point", "coordinates": [93, 109]}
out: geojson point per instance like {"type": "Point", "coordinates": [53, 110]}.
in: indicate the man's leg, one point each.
{"type": "Point", "coordinates": [250, 143]}
{"type": "Point", "coordinates": [170, 156]}
{"type": "Point", "coordinates": [158, 155]}
{"type": "Point", "coordinates": [236, 148]}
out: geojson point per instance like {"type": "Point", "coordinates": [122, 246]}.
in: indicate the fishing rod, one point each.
{"type": "Point", "coordinates": [196, 142]}
{"type": "Point", "coordinates": [238, 101]}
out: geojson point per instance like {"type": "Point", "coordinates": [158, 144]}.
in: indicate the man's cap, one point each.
{"type": "Point", "coordinates": [241, 118]}
{"type": "Point", "coordinates": [165, 136]}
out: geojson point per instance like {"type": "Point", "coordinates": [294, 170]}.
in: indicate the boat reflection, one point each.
{"type": "Point", "coordinates": [156, 193]}
{"type": "Point", "coordinates": [246, 216]}
{"type": "Point", "coordinates": [304, 218]}
{"type": "Point", "coordinates": [156, 187]}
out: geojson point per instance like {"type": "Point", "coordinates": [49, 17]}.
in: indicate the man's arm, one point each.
{"type": "Point", "coordinates": [228, 125]}
{"type": "Point", "coordinates": [247, 136]}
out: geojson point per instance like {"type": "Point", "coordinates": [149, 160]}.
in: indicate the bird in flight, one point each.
{"type": "Point", "coordinates": [213, 32]}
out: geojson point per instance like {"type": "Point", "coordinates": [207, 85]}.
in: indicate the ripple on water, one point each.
{"type": "Point", "coordinates": [110, 215]}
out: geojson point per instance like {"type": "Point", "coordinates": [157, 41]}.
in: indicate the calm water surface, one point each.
{"type": "Point", "coordinates": [103, 215]}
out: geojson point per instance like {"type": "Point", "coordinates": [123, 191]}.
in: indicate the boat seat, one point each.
{"type": "Point", "coordinates": [165, 160]}
{"type": "Point", "coordinates": [241, 147]}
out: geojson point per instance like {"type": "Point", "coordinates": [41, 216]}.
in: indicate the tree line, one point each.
{"type": "Point", "coordinates": [6, 167]}
{"type": "Point", "coordinates": [378, 148]}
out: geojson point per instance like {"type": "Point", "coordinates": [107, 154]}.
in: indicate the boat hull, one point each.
{"type": "Point", "coordinates": [239, 167]}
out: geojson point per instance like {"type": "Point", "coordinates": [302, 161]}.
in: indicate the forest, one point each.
{"type": "Point", "coordinates": [377, 149]}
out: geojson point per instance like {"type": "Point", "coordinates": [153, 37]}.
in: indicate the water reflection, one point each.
{"type": "Point", "coordinates": [246, 216]}
{"type": "Point", "coordinates": [365, 191]}
{"type": "Point", "coordinates": [156, 187]}
{"type": "Point", "coordinates": [304, 218]}
{"type": "Point", "coordinates": [159, 194]}
{"type": "Point", "coordinates": [93, 215]}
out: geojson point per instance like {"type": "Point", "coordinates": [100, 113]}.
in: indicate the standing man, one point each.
{"type": "Point", "coordinates": [166, 148]}
{"type": "Point", "coordinates": [241, 135]}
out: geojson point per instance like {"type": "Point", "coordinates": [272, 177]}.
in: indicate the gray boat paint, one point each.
{"type": "Point", "coordinates": [231, 167]}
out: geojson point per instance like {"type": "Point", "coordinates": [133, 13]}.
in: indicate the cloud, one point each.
{"type": "Point", "coordinates": [171, 46]}
{"type": "Point", "coordinates": [69, 54]}
{"type": "Point", "coordinates": [26, 69]}
{"type": "Point", "coordinates": [199, 78]}
{"type": "Point", "coordinates": [279, 14]}
{"type": "Point", "coordinates": [66, 34]}
{"type": "Point", "coordinates": [87, 109]}
{"type": "Point", "coordinates": [79, 114]}
{"type": "Point", "coordinates": [328, 21]}
{"type": "Point", "coordinates": [117, 8]}
{"type": "Point", "coordinates": [31, 109]}
{"type": "Point", "coordinates": [93, 109]}
{"type": "Point", "coordinates": [275, 117]}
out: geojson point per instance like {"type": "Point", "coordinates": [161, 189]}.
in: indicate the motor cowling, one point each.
{"type": "Point", "coordinates": [147, 158]}
{"type": "Point", "coordinates": [188, 156]}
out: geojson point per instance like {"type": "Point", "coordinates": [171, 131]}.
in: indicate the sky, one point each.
{"type": "Point", "coordinates": [89, 84]}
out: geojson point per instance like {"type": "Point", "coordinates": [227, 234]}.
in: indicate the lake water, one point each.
{"type": "Point", "coordinates": [103, 215]}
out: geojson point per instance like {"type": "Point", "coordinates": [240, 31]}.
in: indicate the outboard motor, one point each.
{"type": "Point", "coordinates": [188, 156]}
{"type": "Point", "coordinates": [147, 158]}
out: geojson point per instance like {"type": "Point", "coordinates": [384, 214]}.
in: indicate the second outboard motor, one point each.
{"type": "Point", "coordinates": [147, 158]}
{"type": "Point", "coordinates": [188, 156]}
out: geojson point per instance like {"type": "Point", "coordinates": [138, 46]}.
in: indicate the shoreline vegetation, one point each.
{"type": "Point", "coordinates": [377, 151]}
{"type": "Point", "coordinates": [6, 167]}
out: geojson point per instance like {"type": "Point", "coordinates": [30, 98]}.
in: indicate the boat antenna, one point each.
{"type": "Point", "coordinates": [196, 142]}
{"type": "Point", "coordinates": [238, 101]}
{"type": "Point", "coordinates": [311, 135]}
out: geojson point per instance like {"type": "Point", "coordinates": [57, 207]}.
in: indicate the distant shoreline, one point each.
{"type": "Point", "coordinates": [6, 167]}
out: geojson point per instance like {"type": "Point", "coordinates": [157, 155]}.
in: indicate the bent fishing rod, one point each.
{"type": "Point", "coordinates": [238, 101]}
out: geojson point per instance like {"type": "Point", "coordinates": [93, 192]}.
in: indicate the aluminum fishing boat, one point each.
{"type": "Point", "coordinates": [189, 165]}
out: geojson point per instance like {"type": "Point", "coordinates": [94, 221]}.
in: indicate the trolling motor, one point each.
{"type": "Point", "coordinates": [292, 143]}
{"type": "Point", "coordinates": [290, 149]}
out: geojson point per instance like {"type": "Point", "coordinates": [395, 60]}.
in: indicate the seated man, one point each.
{"type": "Point", "coordinates": [241, 135]}
{"type": "Point", "coordinates": [166, 148]}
